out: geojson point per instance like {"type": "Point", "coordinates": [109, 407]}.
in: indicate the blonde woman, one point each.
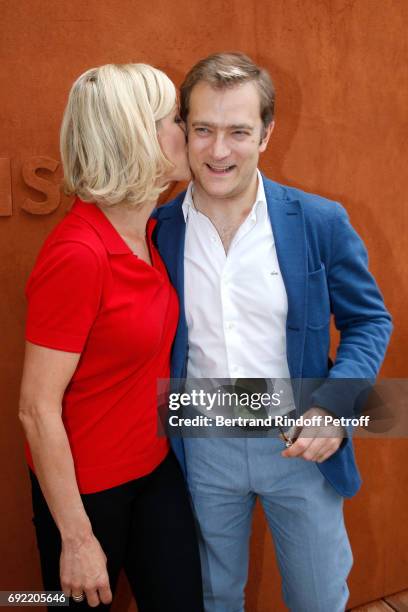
{"type": "Point", "coordinates": [102, 314]}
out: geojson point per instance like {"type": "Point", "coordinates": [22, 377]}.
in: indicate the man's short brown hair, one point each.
{"type": "Point", "coordinates": [222, 70]}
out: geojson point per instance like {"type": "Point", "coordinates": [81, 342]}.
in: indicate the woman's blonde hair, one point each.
{"type": "Point", "coordinates": [109, 146]}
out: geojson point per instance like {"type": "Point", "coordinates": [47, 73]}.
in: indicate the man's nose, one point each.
{"type": "Point", "coordinates": [220, 148]}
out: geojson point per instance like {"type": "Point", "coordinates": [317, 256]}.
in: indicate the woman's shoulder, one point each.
{"type": "Point", "coordinates": [72, 251]}
{"type": "Point", "coordinates": [78, 237]}
{"type": "Point", "coordinates": [65, 288]}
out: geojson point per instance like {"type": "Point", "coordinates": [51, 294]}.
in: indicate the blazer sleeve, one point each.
{"type": "Point", "coordinates": [361, 317]}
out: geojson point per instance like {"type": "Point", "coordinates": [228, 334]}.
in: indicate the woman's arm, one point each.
{"type": "Point", "coordinates": [46, 375]}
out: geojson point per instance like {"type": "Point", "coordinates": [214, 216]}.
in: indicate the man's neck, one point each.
{"type": "Point", "coordinates": [226, 214]}
{"type": "Point", "coordinates": [232, 209]}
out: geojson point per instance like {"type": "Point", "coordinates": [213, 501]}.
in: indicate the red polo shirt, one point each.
{"type": "Point", "coordinates": [89, 294]}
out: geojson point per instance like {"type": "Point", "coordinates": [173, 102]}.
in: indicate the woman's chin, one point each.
{"type": "Point", "coordinates": [178, 176]}
{"type": "Point", "coordinates": [183, 176]}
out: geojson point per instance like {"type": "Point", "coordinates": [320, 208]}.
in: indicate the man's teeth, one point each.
{"type": "Point", "coordinates": [219, 168]}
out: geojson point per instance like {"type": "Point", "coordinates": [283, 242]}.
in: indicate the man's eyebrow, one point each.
{"type": "Point", "coordinates": [241, 126]}
{"type": "Point", "coordinates": [203, 123]}
{"type": "Point", "coordinates": [234, 126]}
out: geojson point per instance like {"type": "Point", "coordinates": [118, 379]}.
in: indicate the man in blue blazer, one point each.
{"type": "Point", "coordinates": [259, 269]}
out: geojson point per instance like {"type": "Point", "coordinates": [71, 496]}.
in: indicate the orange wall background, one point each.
{"type": "Point", "coordinates": [340, 70]}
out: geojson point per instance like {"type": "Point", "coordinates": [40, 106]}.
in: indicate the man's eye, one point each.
{"type": "Point", "coordinates": [202, 130]}
{"type": "Point", "coordinates": [240, 133]}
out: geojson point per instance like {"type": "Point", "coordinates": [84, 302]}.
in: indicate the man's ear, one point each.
{"type": "Point", "coordinates": [266, 134]}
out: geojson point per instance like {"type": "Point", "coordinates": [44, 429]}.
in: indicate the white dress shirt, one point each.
{"type": "Point", "coordinates": [235, 303]}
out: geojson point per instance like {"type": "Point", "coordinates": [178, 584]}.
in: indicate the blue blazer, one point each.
{"type": "Point", "coordinates": [324, 267]}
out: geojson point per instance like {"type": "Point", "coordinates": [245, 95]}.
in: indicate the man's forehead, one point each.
{"type": "Point", "coordinates": [230, 106]}
{"type": "Point", "coordinates": [239, 91]}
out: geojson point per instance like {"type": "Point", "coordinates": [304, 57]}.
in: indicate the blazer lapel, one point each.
{"type": "Point", "coordinates": [169, 234]}
{"type": "Point", "coordinates": [288, 228]}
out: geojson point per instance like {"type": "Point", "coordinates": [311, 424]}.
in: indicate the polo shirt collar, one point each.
{"type": "Point", "coordinates": [92, 214]}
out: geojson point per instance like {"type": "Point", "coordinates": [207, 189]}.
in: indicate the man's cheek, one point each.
{"type": "Point", "coordinates": [192, 156]}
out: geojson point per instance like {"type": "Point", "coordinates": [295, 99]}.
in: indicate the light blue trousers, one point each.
{"type": "Point", "coordinates": [304, 513]}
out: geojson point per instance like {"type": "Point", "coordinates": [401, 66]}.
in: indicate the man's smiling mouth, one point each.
{"type": "Point", "coordinates": [224, 169]}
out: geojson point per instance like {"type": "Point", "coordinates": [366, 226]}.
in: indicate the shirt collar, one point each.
{"type": "Point", "coordinates": [92, 214]}
{"type": "Point", "coordinates": [258, 209]}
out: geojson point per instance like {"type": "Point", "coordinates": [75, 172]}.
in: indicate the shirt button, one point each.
{"type": "Point", "coordinates": [230, 325]}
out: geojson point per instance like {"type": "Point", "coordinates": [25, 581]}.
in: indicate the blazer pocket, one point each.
{"type": "Point", "coordinates": [318, 300]}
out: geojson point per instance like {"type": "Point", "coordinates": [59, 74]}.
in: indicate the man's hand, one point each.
{"type": "Point", "coordinates": [83, 571]}
{"type": "Point", "coordinates": [316, 443]}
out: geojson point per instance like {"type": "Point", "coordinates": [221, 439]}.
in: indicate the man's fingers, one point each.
{"type": "Point", "coordinates": [333, 446]}
{"type": "Point", "coordinates": [322, 449]}
{"type": "Point", "coordinates": [298, 448]}
{"type": "Point", "coordinates": [313, 448]}
{"type": "Point", "coordinates": [318, 448]}
{"type": "Point", "coordinates": [322, 458]}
